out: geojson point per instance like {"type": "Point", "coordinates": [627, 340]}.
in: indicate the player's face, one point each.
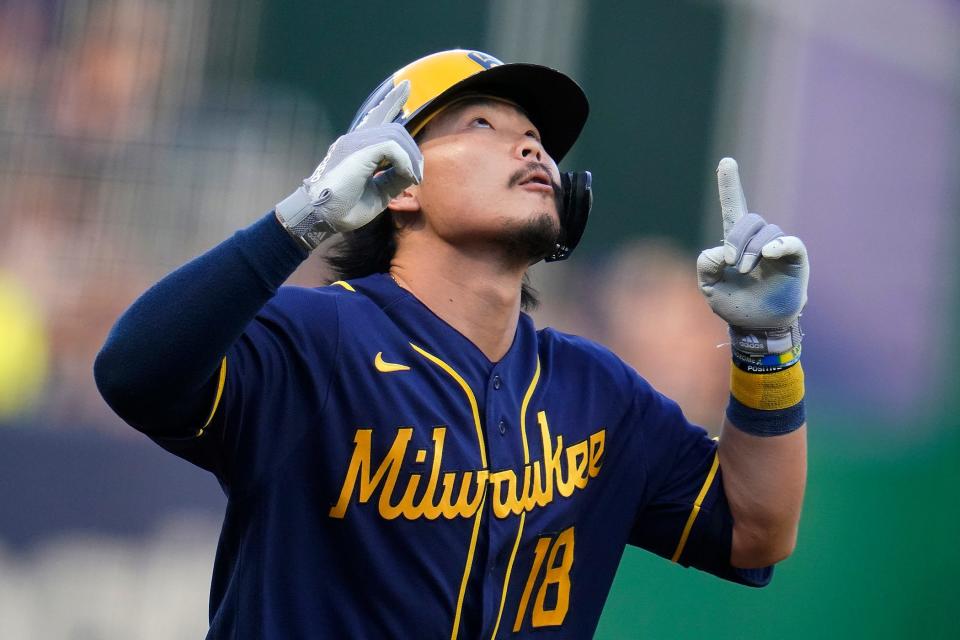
{"type": "Point", "coordinates": [488, 180]}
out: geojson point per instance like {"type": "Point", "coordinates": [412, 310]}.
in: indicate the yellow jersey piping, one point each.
{"type": "Point", "coordinates": [344, 284]}
{"type": "Point", "coordinates": [526, 461]}
{"type": "Point", "coordinates": [472, 399]}
{"type": "Point", "coordinates": [696, 507]}
{"type": "Point", "coordinates": [216, 399]}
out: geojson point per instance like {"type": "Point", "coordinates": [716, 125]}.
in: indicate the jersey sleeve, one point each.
{"type": "Point", "coordinates": [684, 515]}
{"type": "Point", "coordinates": [270, 380]}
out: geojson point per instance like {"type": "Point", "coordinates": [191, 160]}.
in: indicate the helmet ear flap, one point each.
{"type": "Point", "coordinates": [576, 200]}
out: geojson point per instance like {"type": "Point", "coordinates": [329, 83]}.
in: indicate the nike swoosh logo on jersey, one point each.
{"type": "Point", "coordinates": [387, 367]}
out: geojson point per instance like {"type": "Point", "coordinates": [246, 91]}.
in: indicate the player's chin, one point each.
{"type": "Point", "coordinates": [533, 239]}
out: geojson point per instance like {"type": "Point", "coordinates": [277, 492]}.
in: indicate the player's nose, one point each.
{"type": "Point", "coordinates": [529, 150]}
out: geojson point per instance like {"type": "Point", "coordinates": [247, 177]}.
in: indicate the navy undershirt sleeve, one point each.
{"type": "Point", "coordinates": [158, 367]}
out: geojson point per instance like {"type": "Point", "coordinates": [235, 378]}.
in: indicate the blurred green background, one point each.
{"type": "Point", "coordinates": [877, 557]}
{"type": "Point", "coordinates": [134, 134]}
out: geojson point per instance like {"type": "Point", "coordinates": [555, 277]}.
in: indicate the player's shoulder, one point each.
{"type": "Point", "coordinates": [581, 361]}
{"type": "Point", "coordinates": [573, 343]}
{"type": "Point", "coordinates": [293, 298]}
{"type": "Point", "coordinates": [298, 307]}
{"type": "Point", "coordinates": [585, 357]}
{"type": "Point", "coordinates": [346, 299]}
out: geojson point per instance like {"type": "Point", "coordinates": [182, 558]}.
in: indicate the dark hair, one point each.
{"type": "Point", "coordinates": [369, 250]}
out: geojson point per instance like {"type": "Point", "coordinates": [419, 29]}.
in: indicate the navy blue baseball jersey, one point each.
{"type": "Point", "coordinates": [385, 479]}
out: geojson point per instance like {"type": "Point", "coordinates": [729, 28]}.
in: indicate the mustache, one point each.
{"type": "Point", "coordinates": [532, 167]}
{"type": "Point", "coordinates": [522, 174]}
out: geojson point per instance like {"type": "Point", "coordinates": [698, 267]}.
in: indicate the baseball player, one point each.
{"type": "Point", "coordinates": [404, 454]}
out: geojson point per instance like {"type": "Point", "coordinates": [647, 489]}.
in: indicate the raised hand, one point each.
{"type": "Point", "coordinates": [757, 280]}
{"type": "Point", "coordinates": [349, 188]}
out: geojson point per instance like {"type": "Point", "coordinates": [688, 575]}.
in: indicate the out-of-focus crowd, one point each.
{"type": "Point", "coordinates": [122, 156]}
{"type": "Point", "coordinates": [119, 159]}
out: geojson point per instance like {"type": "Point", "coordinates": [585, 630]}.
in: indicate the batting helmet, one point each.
{"type": "Point", "coordinates": [553, 102]}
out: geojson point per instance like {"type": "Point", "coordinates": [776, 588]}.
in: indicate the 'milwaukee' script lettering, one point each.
{"type": "Point", "coordinates": [459, 494]}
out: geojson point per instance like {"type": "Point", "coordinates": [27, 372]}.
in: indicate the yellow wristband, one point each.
{"type": "Point", "coordinates": [768, 391]}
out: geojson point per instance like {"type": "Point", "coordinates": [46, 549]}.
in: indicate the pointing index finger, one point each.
{"type": "Point", "coordinates": [733, 204]}
{"type": "Point", "coordinates": [388, 108]}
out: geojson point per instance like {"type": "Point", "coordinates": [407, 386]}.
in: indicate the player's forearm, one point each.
{"type": "Point", "coordinates": [757, 281]}
{"type": "Point", "coordinates": [763, 455]}
{"type": "Point", "coordinates": [163, 351]}
{"type": "Point", "coordinates": [764, 480]}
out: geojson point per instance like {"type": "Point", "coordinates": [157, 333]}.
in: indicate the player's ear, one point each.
{"type": "Point", "coordinates": [407, 202]}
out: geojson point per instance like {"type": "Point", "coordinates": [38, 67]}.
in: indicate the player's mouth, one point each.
{"type": "Point", "coordinates": [537, 180]}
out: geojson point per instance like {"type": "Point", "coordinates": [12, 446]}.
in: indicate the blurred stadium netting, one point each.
{"type": "Point", "coordinates": [134, 134]}
{"type": "Point", "coordinates": [118, 162]}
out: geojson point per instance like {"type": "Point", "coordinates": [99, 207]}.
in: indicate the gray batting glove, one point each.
{"type": "Point", "coordinates": [756, 281]}
{"type": "Point", "coordinates": [348, 189]}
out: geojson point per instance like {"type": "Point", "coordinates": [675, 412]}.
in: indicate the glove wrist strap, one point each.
{"type": "Point", "coordinates": [761, 342]}
{"type": "Point", "coordinates": [299, 213]}
{"type": "Point", "coordinates": [769, 363]}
